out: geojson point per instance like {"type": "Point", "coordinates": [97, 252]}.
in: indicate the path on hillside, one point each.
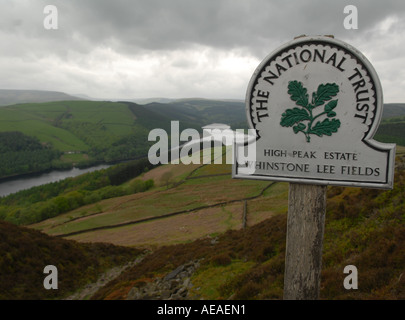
{"type": "Point", "coordinates": [90, 289]}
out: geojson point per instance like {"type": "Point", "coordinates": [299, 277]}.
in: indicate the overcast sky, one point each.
{"type": "Point", "coordinates": [182, 48]}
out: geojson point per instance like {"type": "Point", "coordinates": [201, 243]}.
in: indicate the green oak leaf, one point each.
{"type": "Point", "coordinates": [299, 127]}
{"type": "Point", "coordinates": [293, 116]}
{"type": "Point", "coordinates": [331, 105]}
{"type": "Point", "coordinates": [326, 127]}
{"type": "Point", "coordinates": [298, 93]}
{"type": "Point", "coordinates": [324, 93]}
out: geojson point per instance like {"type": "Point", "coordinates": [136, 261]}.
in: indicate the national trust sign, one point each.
{"type": "Point", "coordinates": [315, 104]}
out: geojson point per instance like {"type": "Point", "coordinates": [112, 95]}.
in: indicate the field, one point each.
{"type": "Point", "coordinates": [214, 206]}
{"type": "Point", "coordinates": [192, 225]}
{"type": "Point", "coordinates": [194, 201]}
{"type": "Point", "coordinates": [200, 200]}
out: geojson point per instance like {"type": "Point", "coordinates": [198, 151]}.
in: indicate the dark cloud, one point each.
{"type": "Point", "coordinates": [165, 25]}
{"type": "Point", "coordinates": [128, 29]}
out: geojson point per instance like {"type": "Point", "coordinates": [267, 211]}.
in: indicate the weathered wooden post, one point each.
{"type": "Point", "coordinates": [314, 105]}
{"type": "Point", "coordinates": [305, 228]}
{"type": "Point", "coordinates": [244, 216]}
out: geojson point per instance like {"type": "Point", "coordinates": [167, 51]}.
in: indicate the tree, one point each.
{"type": "Point", "coordinates": [166, 178]}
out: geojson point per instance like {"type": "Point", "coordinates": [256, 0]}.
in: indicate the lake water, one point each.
{"type": "Point", "coordinates": [22, 183]}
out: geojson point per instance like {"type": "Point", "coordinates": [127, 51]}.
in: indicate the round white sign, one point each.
{"type": "Point", "coordinates": [315, 104]}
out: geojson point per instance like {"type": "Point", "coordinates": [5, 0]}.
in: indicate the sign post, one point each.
{"type": "Point", "coordinates": [305, 229]}
{"type": "Point", "coordinates": [315, 104]}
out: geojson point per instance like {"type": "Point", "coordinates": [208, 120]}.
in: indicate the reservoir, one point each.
{"type": "Point", "coordinates": [25, 182]}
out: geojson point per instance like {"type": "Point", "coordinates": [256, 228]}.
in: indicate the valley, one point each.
{"type": "Point", "coordinates": [86, 133]}
{"type": "Point", "coordinates": [152, 220]}
{"type": "Point", "coordinates": [81, 133]}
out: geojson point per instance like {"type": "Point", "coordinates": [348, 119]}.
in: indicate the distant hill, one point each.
{"type": "Point", "coordinates": [393, 110]}
{"type": "Point", "coordinates": [9, 97]}
{"type": "Point", "coordinates": [151, 100]}
{"type": "Point", "coordinates": [231, 112]}
{"type": "Point", "coordinates": [202, 111]}
{"type": "Point", "coordinates": [84, 132]}
{"type": "Point", "coordinates": [392, 130]}
{"type": "Point", "coordinates": [87, 132]}
{"type": "Point", "coordinates": [392, 126]}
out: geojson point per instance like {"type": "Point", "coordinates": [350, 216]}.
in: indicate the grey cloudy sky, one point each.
{"type": "Point", "coordinates": [182, 48]}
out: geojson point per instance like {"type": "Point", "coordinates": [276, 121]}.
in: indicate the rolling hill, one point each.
{"type": "Point", "coordinates": [393, 110]}
{"type": "Point", "coordinates": [87, 132]}
{"type": "Point", "coordinates": [194, 110]}
{"type": "Point", "coordinates": [83, 132]}
{"type": "Point", "coordinates": [392, 130]}
{"type": "Point", "coordinates": [9, 97]}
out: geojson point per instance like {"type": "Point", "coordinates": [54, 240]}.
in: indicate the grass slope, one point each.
{"type": "Point", "coordinates": [69, 125]}
{"type": "Point", "coordinates": [200, 200]}
{"type": "Point", "coordinates": [364, 227]}
{"type": "Point", "coordinates": [202, 111]}
{"type": "Point", "coordinates": [393, 110]}
{"type": "Point", "coordinates": [392, 130]}
{"type": "Point", "coordinates": [101, 131]}
{"type": "Point", "coordinates": [86, 132]}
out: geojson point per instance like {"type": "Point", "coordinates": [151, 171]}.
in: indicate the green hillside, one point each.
{"type": "Point", "coordinates": [364, 227]}
{"type": "Point", "coordinates": [194, 110]}
{"type": "Point", "coordinates": [83, 132]}
{"type": "Point", "coordinates": [87, 132]}
{"type": "Point", "coordinates": [392, 130]}
{"type": "Point", "coordinates": [70, 125]}
{"type": "Point", "coordinates": [194, 215]}
{"type": "Point", "coordinates": [393, 110]}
